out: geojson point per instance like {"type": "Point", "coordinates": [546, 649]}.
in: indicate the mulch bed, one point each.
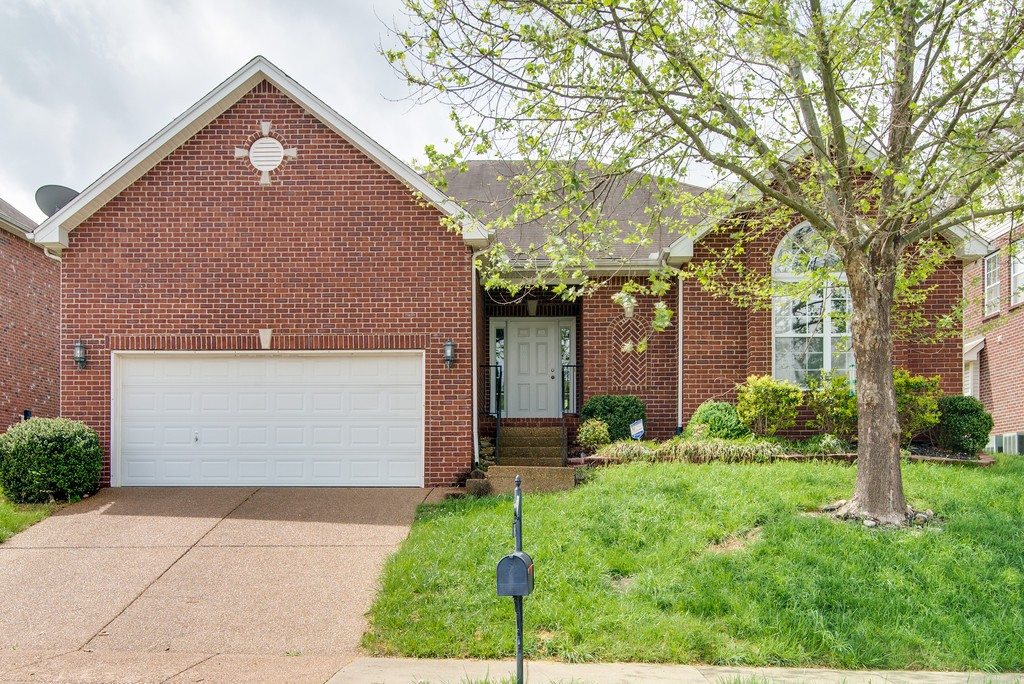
{"type": "Point", "coordinates": [980, 461]}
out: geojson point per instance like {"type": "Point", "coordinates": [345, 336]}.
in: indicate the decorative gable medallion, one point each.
{"type": "Point", "coordinates": [265, 152]}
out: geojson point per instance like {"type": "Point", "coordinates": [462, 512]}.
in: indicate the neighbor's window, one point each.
{"type": "Point", "coordinates": [992, 284]}
{"type": "Point", "coordinates": [811, 333]}
{"type": "Point", "coordinates": [1017, 273]}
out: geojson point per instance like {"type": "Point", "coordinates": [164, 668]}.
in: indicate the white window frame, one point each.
{"type": "Point", "coordinates": [1017, 273]}
{"type": "Point", "coordinates": [827, 333]}
{"type": "Point", "coordinates": [991, 284]}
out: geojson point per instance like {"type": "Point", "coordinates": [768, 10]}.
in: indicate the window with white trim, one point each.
{"type": "Point", "coordinates": [810, 333]}
{"type": "Point", "coordinates": [992, 284]}
{"type": "Point", "coordinates": [1017, 273]}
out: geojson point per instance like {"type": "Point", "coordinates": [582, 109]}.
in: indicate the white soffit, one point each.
{"type": "Point", "coordinates": [54, 231]}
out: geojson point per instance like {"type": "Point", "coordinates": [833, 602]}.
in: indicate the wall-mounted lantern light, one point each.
{"type": "Point", "coordinates": [628, 309]}
{"type": "Point", "coordinates": [531, 307]}
{"type": "Point", "coordinates": [449, 353]}
{"type": "Point", "coordinates": [79, 355]}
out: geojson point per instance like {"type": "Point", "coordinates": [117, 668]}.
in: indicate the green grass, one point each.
{"type": "Point", "coordinates": [16, 517]}
{"type": "Point", "coordinates": [624, 572]}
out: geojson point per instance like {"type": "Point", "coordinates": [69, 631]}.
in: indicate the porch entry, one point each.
{"type": "Point", "coordinates": [536, 356]}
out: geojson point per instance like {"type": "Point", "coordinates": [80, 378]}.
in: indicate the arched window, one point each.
{"type": "Point", "coordinates": [811, 331]}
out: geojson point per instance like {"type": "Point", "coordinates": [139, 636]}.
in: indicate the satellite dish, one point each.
{"type": "Point", "coordinates": [50, 198]}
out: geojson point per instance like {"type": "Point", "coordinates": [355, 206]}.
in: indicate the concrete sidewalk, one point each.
{"type": "Point", "coordinates": [413, 671]}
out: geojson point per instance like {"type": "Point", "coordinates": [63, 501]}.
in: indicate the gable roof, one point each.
{"type": "Point", "coordinates": [486, 188]}
{"type": "Point", "coordinates": [13, 221]}
{"type": "Point", "coordinates": [54, 231]}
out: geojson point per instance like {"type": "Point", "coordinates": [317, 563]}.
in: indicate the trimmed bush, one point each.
{"type": "Point", "coordinates": [629, 451]}
{"type": "Point", "coordinates": [834, 405]}
{"type": "Point", "coordinates": [725, 450]}
{"type": "Point", "coordinates": [592, 435]}
{"type": "Point", "coordinates": [766, 405]}
{"type": "Point", "coordinates": [917, 403]}
{"type": "Point", "coordinates": [964, 425]}
{"type": "Point", "coordinates": [716, 419]}
{"type": "Point", "coordinates": [617, 411]}
{"type": "Point", "coordinates": [46, 458]}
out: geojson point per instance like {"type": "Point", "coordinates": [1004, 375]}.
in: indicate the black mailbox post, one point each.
{"type": "Point", "coordinates": [515, 575]}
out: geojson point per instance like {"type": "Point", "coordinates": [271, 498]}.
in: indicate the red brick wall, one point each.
{"type": "Point", "coordinates": [1002, 360]}
{"type": "Point", "coordinates": [650, 375]}
{"type": "Point", "coordinates": [335, 254]}
{"type": "Point", "coordinates": [723, 344]}
{"type": "Point", "coordinates": [29, 320]}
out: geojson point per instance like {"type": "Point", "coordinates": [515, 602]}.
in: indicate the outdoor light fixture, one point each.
{"type": "Point", "coordinates": [628, 310]}
{"type": "Point", "coordinates": [81, 359]}
{"type": "Point", "coordinates": [449, 353]}
{"type": "Point", "coordinates": [531, 307]}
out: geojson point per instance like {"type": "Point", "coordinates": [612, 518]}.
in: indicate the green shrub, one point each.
{"type": "Point", "coordinates": [725, 450]}
{"type": "Point", "coordinates": [629, 451]}
{"type": "Point", "coordinates": [766, 405]}
{"type": "Point", "coordinates": [917, 403]}
{"type": "Point", "coordinates": [49, 457]}
{"type": "Point", "coordinates": [592, 435]}
{"type": "Point", "coordinates": [716, 419]}
{"type": "Point", "coordinates": [617, 411]}
{"type": "Point", "coordinates": [834, 405]}
{"type": "Point", "coordinates": [964, 425]}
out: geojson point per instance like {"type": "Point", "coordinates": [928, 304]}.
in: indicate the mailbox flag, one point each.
{"type": "Point", "coordinates": [636, 430]}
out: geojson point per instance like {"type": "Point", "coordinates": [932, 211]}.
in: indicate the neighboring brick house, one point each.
{"type": "Point", "coordinates": [29, 307]}
{"type": "Point", "coordinates": [266, 297]}
{"type": "Point", "coordinates": [993, 351]}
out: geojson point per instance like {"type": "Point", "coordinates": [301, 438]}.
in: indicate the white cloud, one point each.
{"type": "Point", "coordinates": [85, 82]}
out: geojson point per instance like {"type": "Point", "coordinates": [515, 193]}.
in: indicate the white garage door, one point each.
{"type": "Point", "coordinates": [337, 419]}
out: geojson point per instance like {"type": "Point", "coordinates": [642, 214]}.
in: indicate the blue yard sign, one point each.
{"type": "Point", "coordinates": [636, 430]}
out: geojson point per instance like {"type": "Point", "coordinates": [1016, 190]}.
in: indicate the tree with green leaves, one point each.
{"type": "Point", "coordinates": [883, 124]}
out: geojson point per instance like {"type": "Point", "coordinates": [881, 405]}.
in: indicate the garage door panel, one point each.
{"type": "Point", "coordinates": [349, 419]}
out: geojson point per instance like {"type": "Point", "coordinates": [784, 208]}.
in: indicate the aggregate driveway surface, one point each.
{"type": "Point", "coordinates": [203, 584]}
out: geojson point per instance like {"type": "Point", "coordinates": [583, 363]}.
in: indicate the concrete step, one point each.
{"type": "Point", "coordinates": [535, 478]}
{"type": "Point", "coordinates": [530, 451]}
{"type": "Point", "coordinates": [531, 436]}
{"type": "Point", "coordinates": [555, 462]}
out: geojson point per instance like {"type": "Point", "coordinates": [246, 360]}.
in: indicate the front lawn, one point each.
{"type": "Point", "coordinates": [16, 517]}
{"type": "Point", "coordinates": [720, 564]}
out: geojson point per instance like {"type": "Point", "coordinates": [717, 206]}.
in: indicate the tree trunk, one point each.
{"type": "Point", "coordinates": [878, 493]}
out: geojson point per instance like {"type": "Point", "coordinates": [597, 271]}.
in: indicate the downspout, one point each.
{"type": "Point", "coordinates": [679, 361]}
{"type": "Point", "coordinates": [473, 359]}
{"type": "Point", "coordinates": [47, 252]}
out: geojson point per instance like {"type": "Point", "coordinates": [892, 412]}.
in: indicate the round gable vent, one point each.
{"type": "Point", "coordinates": [266, 154]}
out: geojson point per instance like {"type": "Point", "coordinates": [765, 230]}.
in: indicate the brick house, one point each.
{"type": "Point", "coordinates": [268, 297]}
{"type": "Point", "coordinates": [993, 351]}
{"type": "Point", "coordinates": [29, 301]}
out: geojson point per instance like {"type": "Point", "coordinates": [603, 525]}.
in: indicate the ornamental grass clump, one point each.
{"type": "Point", "coordinates": [629, 451]}
{"type": "Point", "coordinates": [49, 458]}
{"type": "Point", "coordinates": [723, 450]}
{"type": "Point", "coordinates": [766, 405]}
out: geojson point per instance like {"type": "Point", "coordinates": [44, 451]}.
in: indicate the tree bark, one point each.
{"type": "Point", "coordinates": [878, 493]}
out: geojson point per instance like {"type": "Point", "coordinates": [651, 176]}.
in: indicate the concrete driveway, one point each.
{"type": "Point", "coordinates": [197, 585]}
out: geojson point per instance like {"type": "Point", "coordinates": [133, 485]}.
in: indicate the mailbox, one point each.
{"type": "Point", "coordinates": [515, 575]}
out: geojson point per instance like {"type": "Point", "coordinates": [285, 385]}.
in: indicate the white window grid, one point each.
{"type": "Point", "coordinates": [992, 284]}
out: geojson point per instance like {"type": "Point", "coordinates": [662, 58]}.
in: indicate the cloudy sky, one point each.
{"type": "Point", "coordinates": [85, 82]}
